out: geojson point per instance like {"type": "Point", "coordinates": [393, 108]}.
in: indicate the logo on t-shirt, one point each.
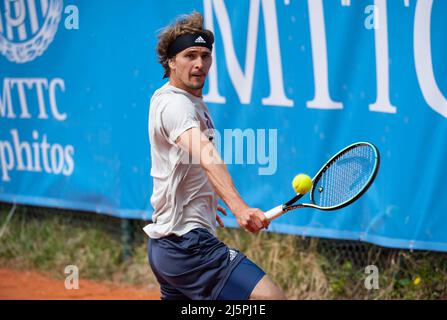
{"type": "Point", "coordinates": [209, 125]}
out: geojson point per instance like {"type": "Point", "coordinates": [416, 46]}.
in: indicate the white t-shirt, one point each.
{"type": "Point", "coordinates": [183, 199]}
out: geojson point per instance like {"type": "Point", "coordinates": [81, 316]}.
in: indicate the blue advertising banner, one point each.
{"type": "Point", "coordinates": [292, 83]}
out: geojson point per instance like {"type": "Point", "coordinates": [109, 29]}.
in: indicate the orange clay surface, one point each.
{"type": "Point", "coordinates": [33, 285]}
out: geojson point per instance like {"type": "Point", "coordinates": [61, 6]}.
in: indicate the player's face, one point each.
{"type": "Point", "coordinates": [190, 67]}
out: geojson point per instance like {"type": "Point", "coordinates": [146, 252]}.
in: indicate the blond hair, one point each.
{"type": "Point", "coordinates": [184, 24]}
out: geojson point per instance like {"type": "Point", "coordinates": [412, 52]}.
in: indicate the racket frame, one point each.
{"type": "Point", "coordinates": [289, 205]}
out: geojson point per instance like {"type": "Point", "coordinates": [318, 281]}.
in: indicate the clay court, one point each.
{"type": "Point", "coordinates": [33, 285]}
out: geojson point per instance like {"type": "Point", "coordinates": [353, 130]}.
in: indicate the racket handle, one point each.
{"type": "Point", "coordinates": [274, 213]}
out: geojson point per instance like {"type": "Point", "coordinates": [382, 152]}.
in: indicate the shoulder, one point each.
{"type": "Point", "coordinates": [168, 98]}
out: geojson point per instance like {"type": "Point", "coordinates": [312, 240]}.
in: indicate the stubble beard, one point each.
{"type": "Point", "coordinates": [196, 86]}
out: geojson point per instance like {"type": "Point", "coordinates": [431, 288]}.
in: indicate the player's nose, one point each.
{"type": "Point", "coordinates": [199, 63]}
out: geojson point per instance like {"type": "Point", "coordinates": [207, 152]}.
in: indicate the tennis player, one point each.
{"type": "Point", "coordinates": [189, 176]}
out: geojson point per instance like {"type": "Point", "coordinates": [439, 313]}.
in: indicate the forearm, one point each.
{"type": "Point", "coordinates": [251, 219]}
{"type": "Point", "coordinates": [221, 180]}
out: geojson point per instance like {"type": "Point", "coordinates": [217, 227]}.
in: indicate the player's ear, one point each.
{"type": "Point", "coordinates": [172, 64]}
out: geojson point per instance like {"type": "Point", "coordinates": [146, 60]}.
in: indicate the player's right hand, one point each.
{"type": "Point", "coordinates": [252, 219]}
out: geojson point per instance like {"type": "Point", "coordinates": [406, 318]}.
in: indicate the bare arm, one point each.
{"type": "Point", "coordinates": [204, 152]}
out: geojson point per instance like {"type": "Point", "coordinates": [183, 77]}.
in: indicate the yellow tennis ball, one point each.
{"type": "Point", "coordinates": [302, 183]}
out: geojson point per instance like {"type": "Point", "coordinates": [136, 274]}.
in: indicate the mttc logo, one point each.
{"type": "Point", "coordinates": [27, 27]}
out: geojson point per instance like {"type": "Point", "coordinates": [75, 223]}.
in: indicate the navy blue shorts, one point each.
{"type": "Point", "coordinates": [198, 266]}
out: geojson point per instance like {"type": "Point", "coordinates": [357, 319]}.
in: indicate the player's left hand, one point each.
{"type": "Point", "coordinates": [218, 218]}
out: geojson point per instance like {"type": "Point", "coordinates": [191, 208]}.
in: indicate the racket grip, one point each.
{"type": "Point", "coordinates": [274, 213]}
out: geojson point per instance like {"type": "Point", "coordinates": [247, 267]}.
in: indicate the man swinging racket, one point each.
{"type": "Point", "coordinates": [187, 259]}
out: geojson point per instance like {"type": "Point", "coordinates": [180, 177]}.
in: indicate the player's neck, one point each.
{"type": "Point", "coordinates": [179, 84]}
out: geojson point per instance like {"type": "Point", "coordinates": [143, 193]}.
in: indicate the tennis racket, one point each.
{"type": "Point", "coordinates": [340, 182]}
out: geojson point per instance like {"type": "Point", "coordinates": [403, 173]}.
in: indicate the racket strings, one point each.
{"type": "Point", "coordinates": [345, 177]}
